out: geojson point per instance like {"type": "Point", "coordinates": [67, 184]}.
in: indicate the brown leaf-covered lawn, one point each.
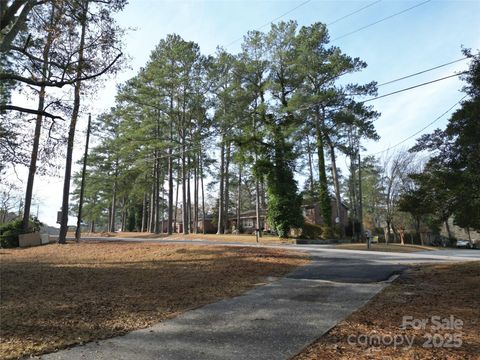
{"type": "Point", "coordinates": [55, 296]}
{"type": "Point", "coordinates": [242, 238]}
{"type": "Point", "coordinates": [438, 290]}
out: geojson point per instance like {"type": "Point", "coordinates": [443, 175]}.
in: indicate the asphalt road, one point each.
{"type": "Point", "coordinates": [274, 321]}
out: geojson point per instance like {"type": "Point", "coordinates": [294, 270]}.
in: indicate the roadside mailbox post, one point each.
{"type": "Point", "coordinates": [368, 235]}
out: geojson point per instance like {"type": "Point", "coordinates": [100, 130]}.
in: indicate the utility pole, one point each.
{"type": "Point", "coordinates": [360, 201]}
{"type": "Point", "coordinates": [82, 186]}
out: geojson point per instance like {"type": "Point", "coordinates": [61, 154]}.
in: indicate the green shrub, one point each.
{"type": "Point", "coordinates": [311, 231]}
{"type": "Point", "coordinates": [9, 232]}
{"type": "Point", "coordinates": [337, 231]}
{"type": "Point", "coordinates": [327, 232]}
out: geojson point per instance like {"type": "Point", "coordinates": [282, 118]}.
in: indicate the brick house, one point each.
{"type": "Point", "coordinates": [313, 215]}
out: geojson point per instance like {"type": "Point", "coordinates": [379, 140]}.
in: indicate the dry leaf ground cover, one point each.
{"type": "Point", "coordinates": [422, 293]}
{"type": "Point", "coordinates": [242, 238]}
{"type": "Point", "coordinates": [59, 295]}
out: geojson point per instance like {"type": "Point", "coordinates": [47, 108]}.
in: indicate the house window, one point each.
{"type": "Point", "coordinates": [247, 223]}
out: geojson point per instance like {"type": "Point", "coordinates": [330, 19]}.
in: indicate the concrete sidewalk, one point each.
{"type": "Point", "coordinates": [275, 321]}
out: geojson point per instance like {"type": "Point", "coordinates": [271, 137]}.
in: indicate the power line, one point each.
{"type": "Point", "coordinates": [281, 16]}
{"type": "Point", "coordinates": [268, 23]}
{"type": "Point", "coordinates": [381, 20]}
{"type": "Point", "coordinates": [422, 72]}
{"type": "Point", "coordinates": [388, 94]}
{"type": "Point", "coordinates": [422, 129]}
{"type": "Point", "coordinates": [412, 87]}
{"type": "Point", "coordinates": [302, 4]}
{"type": "Point", "coordinates": [354, 12]}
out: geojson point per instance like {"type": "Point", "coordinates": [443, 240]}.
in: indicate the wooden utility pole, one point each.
{"type": "Point", "coordinates": [82, 186]}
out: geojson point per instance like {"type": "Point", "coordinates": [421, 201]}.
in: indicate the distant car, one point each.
{"type": "Point", "coordinates": [466, 244]}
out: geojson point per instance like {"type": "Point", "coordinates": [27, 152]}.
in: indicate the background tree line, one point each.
{"type": "Point", "coordinates": [194, 135]}
{"type": "Point", "coordinates": [420, 189]}
{"type": "Point", "coordinates": [246, 121]}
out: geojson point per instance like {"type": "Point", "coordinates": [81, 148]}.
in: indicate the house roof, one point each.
{"type": "Point", "coordinates": [332, 201]}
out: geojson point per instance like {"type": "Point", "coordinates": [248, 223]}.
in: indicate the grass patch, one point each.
{"type": "Point", "coordinates": [407, 248]}
{"type": "Point", "coordinates": [437, 290]}
{"type": "Point", "coordinates": [56, 296]}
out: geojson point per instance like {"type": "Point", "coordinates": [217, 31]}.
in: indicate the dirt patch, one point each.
{"type": "Point", "coordinates": [407, 248]}
{"type": "Point", "coordinates": [448, 292]}
{"type": "Point", "coordinates": [55, 296]}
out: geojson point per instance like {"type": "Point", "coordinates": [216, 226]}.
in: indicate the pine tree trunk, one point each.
{"type": "Point", "coordinates": [387, 237]}
{"type": "Point", "coordinates": [184, 189]}
{"type": "Point", "coordinates": [157, 195]}
{"type": "Point", "coordinates": [325, 204]}
{"type": "Point", "coordinates": [62, 237]}
{"type": "Point", "coordinates": [170, 193]}
{"type": "Point", "coordinates": [353, 197]}
{"type": "Point", "coordinates": [124, 214]}
{"type": "Point", "coordinates": [189, 197]}
{"type": "Point", "coordinates": [447, 226]}
{"type": "Point", "coordinates": [203, 195]}
{"type": "Point", "coordinates": [263, 202]}
{"type": "Point", "coordinates": [195, 196]}
{"type": "Point", "coordinates": [149, 211]}
{"type": "Point", "coordinates": [310, 168]}
{"type": "Point", "coordinates": [258, 230]}
{"type": "Point", "coordinates": [360, 197]}
{"type": "Point", "coordinates": [151, 218]}
{"type": "Point", "coordinates": [239, 196]}
{"type": "Point", "coordinates": [221, 191]}
{"type": "Point", "coordinates": [144, 212]}
{"type": "Point", "coordinates": [170, 176]}
{"type": "Point", "coordinates": [227, 191]}
{"type": "Point", "coordinates": [38, 128]}
{"type": "Point", "coordinates": [338, 199]}
{"type": "Point", "coordinates": [109, 217]}
{"type": "Point", "coordinates": [176, 199]}
{"type": "Point", "coordinates": [33, 161]}
{"type": "Point", "coordinates": [111, 227]}
{"type": "Point", "coordinates": [417, 229]}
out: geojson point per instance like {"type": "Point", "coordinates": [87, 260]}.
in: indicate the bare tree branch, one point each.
{"type": "Point", "coordinates": [54, 83]}
{"type": "Point", "coordinates": [33, 57]}
{"type": "Point", "coordinates": [28, 111]}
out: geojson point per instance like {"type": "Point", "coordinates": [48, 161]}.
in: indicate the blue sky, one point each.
{"type": "Point", "coordinates": [428, 35]}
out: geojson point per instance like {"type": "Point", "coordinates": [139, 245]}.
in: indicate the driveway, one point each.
{"type": "Point", "coordinates": [274, 321]}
